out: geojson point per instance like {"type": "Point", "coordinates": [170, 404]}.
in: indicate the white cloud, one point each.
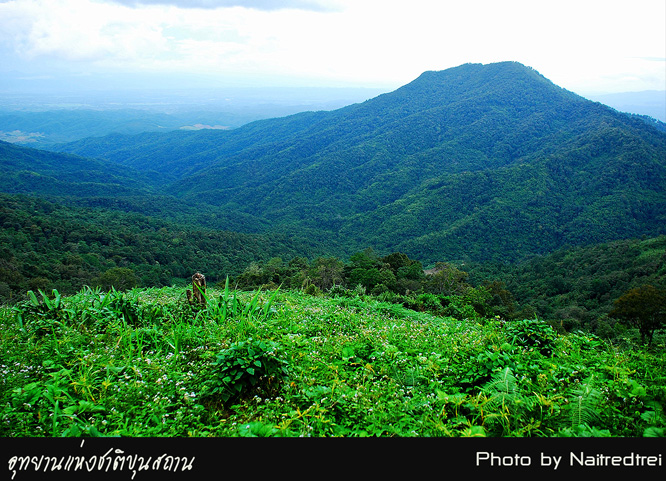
{"type": "Point", "coordinates": [589, 45]}
{"type": "Point", "coordinates": [79, 31]}
{"type": "Point", "coordinates": [315, 5]}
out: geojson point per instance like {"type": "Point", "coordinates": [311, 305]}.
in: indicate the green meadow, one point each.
{"type": "Point", "coordinates": [283, 363]}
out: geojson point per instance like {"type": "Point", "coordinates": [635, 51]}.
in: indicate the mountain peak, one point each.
{"type": "Point", "coordinates": [479, 70]}
{"type": "Point", "coordinates": [481, 161]}
{"type": "Point", "coordinates": [508, 80]}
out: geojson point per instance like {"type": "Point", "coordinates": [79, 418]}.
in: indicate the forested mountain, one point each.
{"type": "Point", "coordinates": [578, 285]}
{"type": "Point", "coordinates": [478, 162]}
{"type": "Point", "coordinates": [489, 171]}
{"type": "Point", "coordinates": [26, 170]}
{"type": "Point", "coordinates": [47, 245]}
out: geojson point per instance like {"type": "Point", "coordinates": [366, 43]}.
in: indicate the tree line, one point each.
{"type": "Point", "coordinates": [47, 246]}
{"type": "Point", "coordinates": [445, 290]}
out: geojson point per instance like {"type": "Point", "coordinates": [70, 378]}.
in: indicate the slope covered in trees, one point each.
{"type": "Point", "coordinates": [577, 286]}
{"type": "Point", "coordinates": [32, 171]}
{"type": "Point", "coordinates": [478, 162]}
{"type": "Point", "coordinates": [473, 164]}
{"type": "Point", "coordinates": [44, 245]}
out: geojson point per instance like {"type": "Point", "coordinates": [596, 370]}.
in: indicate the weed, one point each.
{"type": "Point", "coordinates": [532, 334]}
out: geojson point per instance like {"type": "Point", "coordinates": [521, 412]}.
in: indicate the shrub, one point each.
{"type": "Point", "coordinates": [243, 367]}
{"type": "Point", "coordinates": [39, 316]}
{"type": "Point", "coordinates": [532, 334]}
{"type": "Point", "coordinates": [481, 368]}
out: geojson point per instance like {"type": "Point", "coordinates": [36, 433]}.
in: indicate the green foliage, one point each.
{"type": "Point", "coordinates": [581, 414]}
{"type": "Point", "coordinates": [229, 306]}
{"type": "Point", "coordinates": [506, 402]}
{"type": "Point", "coordinates": [644, 307]}
{"type": "Point", "coordinates": [243, 368]}
{"type": "Point", "coordinates": [532, 334]}
{"type": "Point", "coordinates": [146, 363]}
{"type": "Point", "coordinates": [40, 316]}
{"type": "Point", "coordinates": [450, 167]}
{"type": "Point", "coordinates": [45, 245]}
{"type": "Point", "coordinates": [578, 285]}
{"type": "Point", "coordinates": [484, 366]}
{"type": "Point", "coordinates": [120, 278]}
{"type": "Point", "coordinates": [478, 162]}
{"type": "Point", "coordinates": [448, 280]}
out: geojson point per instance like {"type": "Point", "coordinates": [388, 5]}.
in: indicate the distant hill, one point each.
{"type": "Point", "coordinates": [97, 183]}
{"type": "Point", "coordinates": [41, 119]}
{"type": "Point", "coordinates": [479, 162]}
{"type": "Point", "coordinates": [42, 129]}
{"type": "Point", "coordinates": [46, 245]}
{"type": "Point", "coordinates": [32, 171]}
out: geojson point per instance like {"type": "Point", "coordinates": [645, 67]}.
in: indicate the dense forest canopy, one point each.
{"type": "Point", "coordinates": [482, 187]}
{"type": "Point", "coordinates": [478, 162]}
{"type": "Point", "coordinates": [47, 246]}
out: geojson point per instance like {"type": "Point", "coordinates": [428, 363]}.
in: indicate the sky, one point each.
{"type": "Point", "coordinates": [586, 46]}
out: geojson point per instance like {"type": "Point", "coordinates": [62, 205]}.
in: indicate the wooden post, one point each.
{"type": "Point", "coordinates": [196, 295]}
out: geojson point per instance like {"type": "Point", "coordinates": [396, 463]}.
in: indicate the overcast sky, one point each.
{"type": "Point", "coordinates": [587, 46]}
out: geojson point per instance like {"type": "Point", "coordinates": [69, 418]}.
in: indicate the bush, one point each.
{"type": "Point", "coordinates": [532, 334]}
{"type": "Point", "coordinates": [243, 367]}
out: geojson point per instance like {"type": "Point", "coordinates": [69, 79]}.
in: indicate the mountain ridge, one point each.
{"type": "Point", "coordinates": [489, 162]}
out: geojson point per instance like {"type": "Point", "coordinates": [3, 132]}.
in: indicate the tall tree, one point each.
{"type": "Point", "coordinates": [643, 307]}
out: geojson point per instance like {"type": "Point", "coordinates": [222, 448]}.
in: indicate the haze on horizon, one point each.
{"type": "Point", "coordinates": [591, 47]}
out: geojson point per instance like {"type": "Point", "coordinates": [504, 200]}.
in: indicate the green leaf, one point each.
{"type": "Point", "coordinates": [33, 298]}
{"type": "Point", "coordinates": [654, 432]}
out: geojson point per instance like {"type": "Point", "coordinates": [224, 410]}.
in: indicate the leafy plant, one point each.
{"type": "Point", "coordinates": [230, 306]}
{"type": "Point", "coordinates": [357, 367]}
{"type": "Point", "coordinates": [505, 401]}
{"type": "Point", "coordinates": [39, 316]}
{"type": "Point", "coordinates": [243, 367]}
{"type": "Point", "coordinates": [532, 334]}
{"type": "Point", "coordinates": [484, 365]}
{"type": "Point", "coordinates": [126, 307]}
{"type": "Point", "coordinates": [582, 410]}
{"type": "Point", "coordinates": [656, 421]}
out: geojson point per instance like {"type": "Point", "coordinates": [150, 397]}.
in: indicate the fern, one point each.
{"type": "Point", "coordinates": [505, 400]}
{"type": "Point", "coordinates": [502, 389]}
{"type": "Point", "coordinates": [582, 410]}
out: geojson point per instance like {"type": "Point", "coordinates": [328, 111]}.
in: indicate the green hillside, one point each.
{"type": "Point", "coordinates": [478, 162]}
{"type": "Point", "coordinates": [577, 286]}
{"type": "Point", "coordinates": [47, 245]}
{"type": "Point", "coordinates": [144, 363]}
{"type": "Point", "coordinates": [489, 168]}
{"type": "Point", "coordinates": [33, 171]}
{"type": "Point", "coordinates": [88, 182]}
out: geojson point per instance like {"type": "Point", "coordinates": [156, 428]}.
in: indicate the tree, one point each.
{"type": "Point", "coordinates": [120, 278]}
{"type": "Point", "coordinates": [326, 272]}
{"type": "Point", "coordinates": [447, 280]}
{"type": "Point", "coordinates": [643, 307]}
{"type": "Point", "coordinates": [501, 300]}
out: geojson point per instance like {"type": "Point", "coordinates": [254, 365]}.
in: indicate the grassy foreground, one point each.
{"type": "Point", "coordinates": [283, 363]}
